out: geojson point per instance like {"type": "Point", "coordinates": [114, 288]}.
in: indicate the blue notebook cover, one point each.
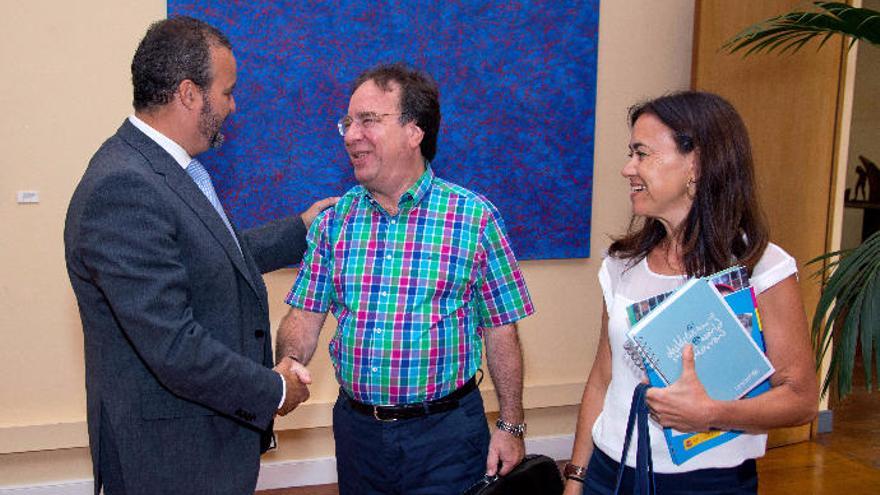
{"type": "Point", "coordinates": [744, 305]}
{"type": "Point", "coordinates": [728, 362]}
{"type": "Point", "coordinates": [734, 282]}
{"type": "Point", "coordinates": [684, 446]}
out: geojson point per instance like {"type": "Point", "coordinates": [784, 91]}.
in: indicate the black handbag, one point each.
{"type": "Point", "coordinates": [535, 475]}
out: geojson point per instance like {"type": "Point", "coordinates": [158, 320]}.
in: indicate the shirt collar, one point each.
{"type": "Point", "coordinates": [175, 150]}
{"type": "Point", "coordinates": [417, 191]}
{"type": "Point", "coordinates": [414, 194]}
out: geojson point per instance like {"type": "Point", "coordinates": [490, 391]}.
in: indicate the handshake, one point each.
{"type": "Point", "coordinates": [296, 380]}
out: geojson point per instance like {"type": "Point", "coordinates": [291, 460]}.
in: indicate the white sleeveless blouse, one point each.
{"type": "Point", "coordinates": [622, 287]}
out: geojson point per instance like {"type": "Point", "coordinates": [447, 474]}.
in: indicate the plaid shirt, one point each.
{"type": "Point", "coordinates": [411, 291]}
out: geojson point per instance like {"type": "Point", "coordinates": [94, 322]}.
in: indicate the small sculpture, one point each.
{"type": "Point", "coordinates": [861, 182]}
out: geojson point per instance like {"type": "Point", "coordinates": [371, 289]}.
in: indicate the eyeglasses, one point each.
{"type": "Point", "coordinates": [366, 120]}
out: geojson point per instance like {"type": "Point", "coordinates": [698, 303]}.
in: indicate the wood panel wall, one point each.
{"type": "Point", "coordinates": [790, 106]}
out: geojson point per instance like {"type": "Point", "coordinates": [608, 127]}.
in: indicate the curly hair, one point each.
{"type": "Point", "coordinates": [172, 51]}
{"type": "Point", "coordinates": [725, 224]}
{"type": "Point", "coordinates": [419, 99]}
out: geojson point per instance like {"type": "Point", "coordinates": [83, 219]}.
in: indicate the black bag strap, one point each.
{"type": "Point", "coordinates": [638, 416]}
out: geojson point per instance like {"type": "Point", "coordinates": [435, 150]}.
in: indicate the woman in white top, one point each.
{"type": "Point", "coordinates": [695, 212]}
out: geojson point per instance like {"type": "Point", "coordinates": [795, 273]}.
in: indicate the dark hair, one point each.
{"type": "Point", "coordinates": [419, 99]}
{"type": "Point", "coordinates": [172, 51]}
{"type": "Point", "coordinates": [725, 224]}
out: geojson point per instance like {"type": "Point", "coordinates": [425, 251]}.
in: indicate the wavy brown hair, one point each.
{"type": "Point", "coordinates": [725, 225]}
{"type": "Point", "coordinates": [419, 99]}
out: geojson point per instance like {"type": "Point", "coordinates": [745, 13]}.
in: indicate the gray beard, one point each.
{"type": "Point", "coordinates": [207, 122]}
{"type": "Point", "coordinates": [217, 140]}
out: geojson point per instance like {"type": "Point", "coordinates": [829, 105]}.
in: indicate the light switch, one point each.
{"type": "Point", "coordinates": [28, 197]}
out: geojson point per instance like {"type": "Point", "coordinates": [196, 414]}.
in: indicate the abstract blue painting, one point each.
{"type": "Point", "coordinates": [517, 91]}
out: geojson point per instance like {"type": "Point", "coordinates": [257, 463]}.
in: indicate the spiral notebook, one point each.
{"type": "Point", "coordinates": [740, 296]}
{"type": "Point", "coordinates": [727, 360]}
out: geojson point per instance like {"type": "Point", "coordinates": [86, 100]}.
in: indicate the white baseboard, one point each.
{"type": "Point", "coordinates": [71, 487]}
{"type": "Point", "coordinates": [296, 473]}
{"type": "Point", "coordinates": [557, 447]}
{"type": "Point", "coordinates": [285, 474]}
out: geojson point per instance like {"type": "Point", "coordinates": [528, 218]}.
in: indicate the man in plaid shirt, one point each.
{"type": "Point", "coordinates": [417, 271]}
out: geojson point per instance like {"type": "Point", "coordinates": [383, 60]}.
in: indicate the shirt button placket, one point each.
{"type": "Point", "coordinates": [385, 262]}
{"type": "Point", "coordinates": [380, 263]}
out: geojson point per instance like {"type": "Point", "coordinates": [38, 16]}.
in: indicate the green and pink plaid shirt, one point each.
{"type": "Point", "coordinates": [411, 292]}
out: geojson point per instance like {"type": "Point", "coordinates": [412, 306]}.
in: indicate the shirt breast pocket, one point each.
{"type": "Point", "coordinates": [438, 273]}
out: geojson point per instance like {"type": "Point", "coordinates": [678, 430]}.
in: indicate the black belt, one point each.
{"type": "Point", "coordinates": [419, 409]}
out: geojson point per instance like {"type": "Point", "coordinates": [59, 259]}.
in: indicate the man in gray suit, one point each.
{"type": "Point", "coordinates": [179, 378]}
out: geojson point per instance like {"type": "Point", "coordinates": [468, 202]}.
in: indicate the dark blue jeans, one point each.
{"type": "Point", "coordinates": [440, 454]}
{"type": "Point", "coordinates": [742, 479]}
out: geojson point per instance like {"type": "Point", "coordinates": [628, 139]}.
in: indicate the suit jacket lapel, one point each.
{"type": "Point", "coordinates": [177, 179]}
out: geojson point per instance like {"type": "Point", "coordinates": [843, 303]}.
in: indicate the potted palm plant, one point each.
{"type": "Point", "coordinates": [848, 310]}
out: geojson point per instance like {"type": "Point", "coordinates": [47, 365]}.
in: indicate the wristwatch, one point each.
{"type": "Point", "coordinates": [574, 472]}
{"type": "Point", "coordinates": [517, 430]}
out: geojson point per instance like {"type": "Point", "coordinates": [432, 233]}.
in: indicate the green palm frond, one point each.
{"type": "Point", "coordinates": [849, 311]}
{"type": "Point", "coordinates": [790, 32]}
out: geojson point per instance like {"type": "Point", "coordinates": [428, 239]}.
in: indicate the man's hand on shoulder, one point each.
{"type": "Point", "coordinates": [296, 381]}
{"type": "Point", "coordinates": [309, 215]}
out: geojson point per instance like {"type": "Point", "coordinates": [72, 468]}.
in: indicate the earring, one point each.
{"type": "Point", "coordinates": [691, 183]}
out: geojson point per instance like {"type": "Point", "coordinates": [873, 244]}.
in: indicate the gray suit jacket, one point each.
{"type": "Point", "coordinates": [176, 324]}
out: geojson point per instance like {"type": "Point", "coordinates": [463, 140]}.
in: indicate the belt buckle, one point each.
{"type": "Point", "coordinates": [376, 416]}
